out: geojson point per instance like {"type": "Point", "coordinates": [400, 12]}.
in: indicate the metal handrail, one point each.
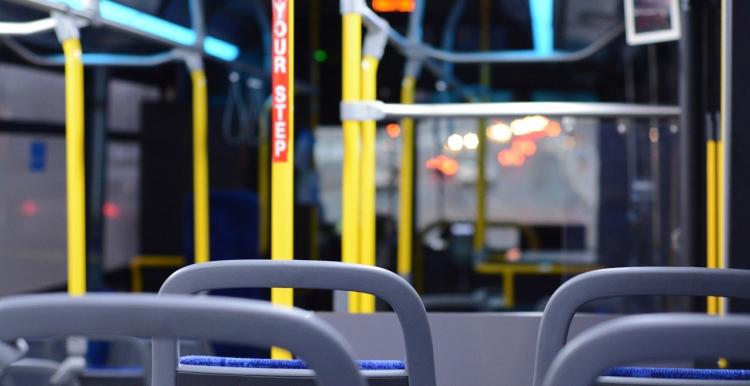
{"type": "Point", "coordinates": [519, 109]}
{"type": "Point", "coordinates": [92, 59]}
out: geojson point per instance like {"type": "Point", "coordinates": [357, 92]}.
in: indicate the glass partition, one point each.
{"type": "Point", "coordinates": [563, 196]}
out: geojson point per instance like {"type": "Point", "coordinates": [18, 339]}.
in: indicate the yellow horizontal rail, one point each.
{"type": "Point", "coordinates": [509, 272]}
{"type": "Point", "coordinates": [147, 261]}
{"type": "Point", "coordinates": [533, 269]}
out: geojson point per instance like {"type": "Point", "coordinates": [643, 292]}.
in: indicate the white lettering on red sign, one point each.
{"type": "Point", "coordinates": [280, 81]}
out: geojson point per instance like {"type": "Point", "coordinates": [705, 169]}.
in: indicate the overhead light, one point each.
{"type": "Point", "coordinates": [471, 141]}
{"type": "Point", "coordinates": [74, 4]}
{"type": "Point", "coordinates": [138, 20]}
{"type": "Point", "coordinates": [455, 143]}
{"type": "Point", "coordinates": [542, 26]}
{"type": "Point", "coordinates": [220, 49]}
{"type": "Point", "coordinates": [144, 22]}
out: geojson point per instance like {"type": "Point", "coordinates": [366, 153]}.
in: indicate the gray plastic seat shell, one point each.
{"type": "Point", "coordinates": [646, 338]}
{"type": "Point", "coordinates": [384, 284]}
{"type": "Point", "coordinates": [632, 281]}
{"type": "Point", "coordinates": [173, 316]}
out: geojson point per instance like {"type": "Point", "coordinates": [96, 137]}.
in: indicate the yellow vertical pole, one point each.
{"type": "Point", "coordinates": [711, 218]}
{"type": "Point", "coordinates": [720, 304]}
{"type": "Point", "coordinates": [75, 172]}
{"type": "Point", "coordinates": [200, 166]}
{"type": "Point", "coordinates": [720, 261]}
{"type": "Point", "coordinates": [406, 184]}
{"type": "Point", "coordinates": [282, 148]}
{"type": "Point", "coordinates": [351, 62]}
{"type": "Point", "coordinates": [509, 288]}
{"type": "Point", "coordinates": [405, 257]}
{"type": "Point", "coordinates": [368, 193]}
{"type": "Point", "coordinates": [721, 257]}
{"type": "Point", "coordinates": [264, 189]}
{"type": "Point", "coordinates": [481, 186]}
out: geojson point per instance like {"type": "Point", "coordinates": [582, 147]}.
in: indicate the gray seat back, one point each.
{"type": "Point", "coordinates": [166, 318]}
{"type": "Point", "coordinates": [648, 338]}
{"type": "Point", "coordinates": [634, 281]}
{"type": "Point", "coordinates": [379, 282]}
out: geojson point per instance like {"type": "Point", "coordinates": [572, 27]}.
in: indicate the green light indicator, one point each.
{"type": "Point", "coordinates": [320, 56]}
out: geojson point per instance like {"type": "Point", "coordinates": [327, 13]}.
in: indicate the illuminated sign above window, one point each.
{"type": "Point", "coordinates": [402, 6]}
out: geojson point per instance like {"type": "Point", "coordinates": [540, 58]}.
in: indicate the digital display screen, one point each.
{"type": "Point", "coordinates": [652, 15]}
{"type": "Point", "coordinates": [652, 21]}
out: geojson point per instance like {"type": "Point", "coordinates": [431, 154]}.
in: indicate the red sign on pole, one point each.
{"type": "Point", "coordinates": [280, 81]}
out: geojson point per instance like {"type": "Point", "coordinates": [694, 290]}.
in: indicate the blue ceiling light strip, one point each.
{"type": "Point", "coordinates": [78, 5]}
{"type": "Point", "coordinates": [220, 49]}
{"type": "Point", "coordinates": [135, 19]}
{"type": "Point", "coordinates": [542, 26]}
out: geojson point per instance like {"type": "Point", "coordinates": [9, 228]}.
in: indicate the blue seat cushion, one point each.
{"type": "Point", "coordinates": [260, 363]}
{"type": "Point", "coordinates": [679, 373]}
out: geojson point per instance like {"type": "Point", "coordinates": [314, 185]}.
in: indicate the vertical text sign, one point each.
{"type": "Point", "coordinates": [280, 83]}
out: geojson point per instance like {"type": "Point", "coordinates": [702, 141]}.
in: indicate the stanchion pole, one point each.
{"type": "Point", "coordinates": [282, 148]}
{"type": "Point", "coordinates": [75, 169]}
{"type": "Point", "coordinates": [373, 49]}
{"type": "Point", "coordinates": [351, 62]}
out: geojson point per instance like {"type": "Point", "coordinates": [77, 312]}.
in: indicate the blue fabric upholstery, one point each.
{"type": "Point", "coordinates": [258, 363]}
{"type": "Point", "coordinates": [679, 373]}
